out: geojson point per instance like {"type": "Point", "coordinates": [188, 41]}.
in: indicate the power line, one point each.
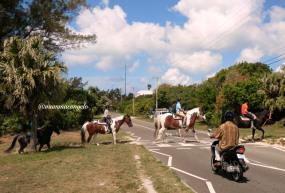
{"type": "Point", "coordinates": [270, 59]}
{"type": "Point", "coordinates": [276, 61]}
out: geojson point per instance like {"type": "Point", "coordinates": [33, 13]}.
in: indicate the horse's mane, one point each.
{"type": "Point", "coordinates": [261, 113]}
{"type": "Point", "coordinates": [118, 118]}
{"type": "Point", "coordinates": [193, 110]}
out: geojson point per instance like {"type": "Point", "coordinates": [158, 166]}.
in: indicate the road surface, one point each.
{"type": "Point", "coordinates": [191, 161]}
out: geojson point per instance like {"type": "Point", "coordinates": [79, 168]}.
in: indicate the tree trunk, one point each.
{"type": "Point", "coordinates": [34, 131]}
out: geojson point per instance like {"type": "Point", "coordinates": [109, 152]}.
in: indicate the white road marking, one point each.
{"type": "Point", "coordinates": [154, 149]}
{"type": "Point", "coordinates": [210, 187]}
{"type": "Point", "coordinates": [192, 175]}
{"type": "Point", "coordinates": [138, 139]}
{"type": "Point", "coordinates": [169, 164]}
{"type": "Point", "coordinates": [182, 148]}
{"type": "Point", "coordinates": [204, 147]}
{"type": "Point", "coordinates": [186, 144]}
{"type": "Point", "coordinates": [263, 165]}
{"type": "Point", "coordinates": [278, 148]}
{"type": "Point", "coordinates": [148, 128]}
{"type": "Point", "coordinates": [164, 145]}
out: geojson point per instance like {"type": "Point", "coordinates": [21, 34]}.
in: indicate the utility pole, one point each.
{"type": "Point", "coordinates": [156, 90]}
{"type": "Point", "coordinates": [125, 80]}
{"type": "Point", "coordinates": [121, 96]}
{"type": "Point", "coordinates": [133, 100]}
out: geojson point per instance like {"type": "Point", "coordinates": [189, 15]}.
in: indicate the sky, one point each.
{"type": "Point", "coordinates": [173, 41]}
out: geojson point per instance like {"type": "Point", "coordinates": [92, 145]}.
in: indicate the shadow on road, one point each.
{"type": "Point", "coordinates": [229, 177]}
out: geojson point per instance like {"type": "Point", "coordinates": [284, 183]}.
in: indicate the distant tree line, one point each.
{"type": "Point", "coordinates": [227, 90]}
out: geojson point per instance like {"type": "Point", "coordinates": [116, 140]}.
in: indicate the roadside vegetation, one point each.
{"type": "Point", "coordinates": [226, 90]}
{"type": "Point", "coordinates": [69, 167]}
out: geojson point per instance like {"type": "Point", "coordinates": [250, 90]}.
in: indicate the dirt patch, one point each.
{"type": "Point", "coordinates": [146, 182]}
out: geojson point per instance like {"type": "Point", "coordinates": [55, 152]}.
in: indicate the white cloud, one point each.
{"type": "Point", "coordinates": [278, 69]}
{"type": "Point", "coordinates": [198, 62]}
{"type": "Point", "coordinates": [134, 66]}
{"type": "Point", "coordinates": [250, 55]}
{"type": "Point", "coordinates": [154, 69]}
{"type": "Point", "coordinates": [173, 76]}
{"type": "Point", "coordinates": [195, 48]}
{"type": "Point", "coordinates": [277, 14]}
{"type": "Point", "coordinates": [105, 2]}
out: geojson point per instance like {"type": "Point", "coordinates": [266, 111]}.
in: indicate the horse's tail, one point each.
{"type": "Point", "coordinates": [155, 128]}
{"type": "Point", "coordinates": [12, 144]}
{"type": "Point", "coordinates": [83, 130]}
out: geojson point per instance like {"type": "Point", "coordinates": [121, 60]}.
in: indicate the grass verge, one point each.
{"type": "Point", "coordinates": [68, 167]}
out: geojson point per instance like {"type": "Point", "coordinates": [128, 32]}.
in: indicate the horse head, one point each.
{"type": "Point", "coordinates": [199, 111]}
{"type": "Point", "coordinates": [128, 120]}
{"type": "Point", "coordinates": [56, 129]}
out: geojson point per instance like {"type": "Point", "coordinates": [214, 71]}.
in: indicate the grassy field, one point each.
{"type": "Point", "coordinates": [68, 167]}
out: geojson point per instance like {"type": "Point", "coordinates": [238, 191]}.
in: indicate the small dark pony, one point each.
{"type": "Point", "coordinates": [43, 138]}
{"type": "Point", "coordinates": [261, 119]}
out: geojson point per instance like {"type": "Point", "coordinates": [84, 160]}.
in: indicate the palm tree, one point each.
{"type": "Point", "coordinates": [274, 90]}
{"type": "Point", "coordinates": [29, 75]}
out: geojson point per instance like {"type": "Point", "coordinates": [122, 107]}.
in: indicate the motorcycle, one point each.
{"type": "Point", "coordinates": [232, 161]}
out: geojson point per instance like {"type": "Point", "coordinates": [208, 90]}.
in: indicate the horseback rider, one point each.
{"type": "Point", "coordinates": [107, 119]}
{"type": "Point", "coordinates": [180, 112]}
{"type": "Point", "coordinates": [246, 113]}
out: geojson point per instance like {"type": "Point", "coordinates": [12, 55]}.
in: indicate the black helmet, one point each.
{"type": "Point", "coordinates": [179, 99]}
{"type": "Point", "coordinates": [229, 116]}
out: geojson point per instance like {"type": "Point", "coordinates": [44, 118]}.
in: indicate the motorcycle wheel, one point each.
{"type": "Point", "coordinates": [237, 175]}
{"type": "Point", "coordinates": [214, 168]}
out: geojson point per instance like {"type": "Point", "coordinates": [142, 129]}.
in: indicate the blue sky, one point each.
{"type": "Point", "coordinates": [179, 41]}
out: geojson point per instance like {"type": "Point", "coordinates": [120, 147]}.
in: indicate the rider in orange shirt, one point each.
{"type": "Point", "coordinates": [246, 113]}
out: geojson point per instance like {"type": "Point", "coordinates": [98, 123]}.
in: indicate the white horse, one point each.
{"type": "Point", "coordinates": [167, 121]}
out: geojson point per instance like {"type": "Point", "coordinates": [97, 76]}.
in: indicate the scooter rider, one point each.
{"type": "Point", "coordinates": [227, 134]}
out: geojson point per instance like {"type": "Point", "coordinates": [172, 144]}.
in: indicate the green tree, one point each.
{"type": "Point", "coordinates": [30, 74]}
{"type": "Point", "coordinates": [273, 86]}
{"type": "Point", "coordinates": [45, 18]}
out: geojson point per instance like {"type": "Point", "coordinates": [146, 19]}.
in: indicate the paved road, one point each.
{"type": "Point", "coordinates": [191, 161]}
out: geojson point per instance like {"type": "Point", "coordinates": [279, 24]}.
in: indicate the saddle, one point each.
{"type": "Point", "coordinates": [243, 118]}
{"type": "Point", "coordinates": [175, 117]}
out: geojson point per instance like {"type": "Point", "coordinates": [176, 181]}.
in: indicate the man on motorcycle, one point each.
{"type": "Point", "coordinates": [227, 134]}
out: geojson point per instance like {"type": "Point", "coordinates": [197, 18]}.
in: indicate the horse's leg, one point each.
{"type": "Point", "coordinates": [41, 146]}
{"type": "Point", "coordinates": [22, 147]}
{"type": "Point", "coordinates": [262, 130]}
{"type": "Point", "coordinates": [253, 132]}
{"type": "Point", "coordinates": [114, 137]}
{"type": "Point", "coordinates": [89, 137]}
{"type": "Point", "coordinates": [179, 132]}
{"type": "Point", "coordinates": [184, 136]}
{"type": "Point", "coordinates": [195, 135]}
{"type": "Point", "coordinates": [160, 133]}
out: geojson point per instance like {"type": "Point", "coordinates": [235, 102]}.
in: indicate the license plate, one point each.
{"type": "Point", "coordinates": [240, 156]}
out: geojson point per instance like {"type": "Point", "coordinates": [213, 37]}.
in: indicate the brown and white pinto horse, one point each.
{"type": "Point", "coordinates": [168, 122]}
{"type": "Point", "coordinates": [96, 127]}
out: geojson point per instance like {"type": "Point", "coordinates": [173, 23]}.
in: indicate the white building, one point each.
{"type": "Point", "coordinates": [144, 93]}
